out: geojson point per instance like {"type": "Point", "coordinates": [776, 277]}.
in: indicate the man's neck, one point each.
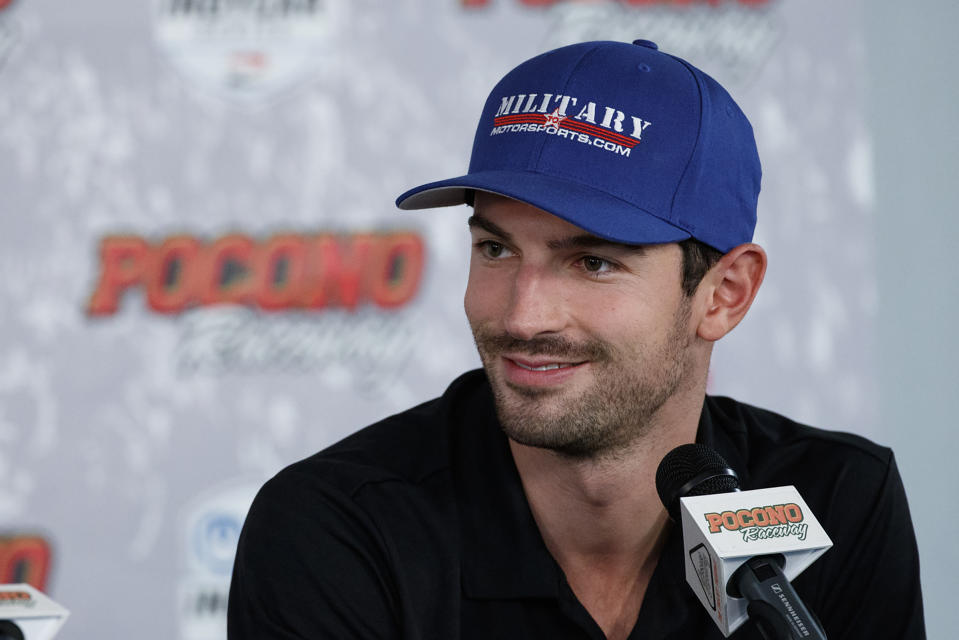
{"type": "Point", "coordinates": [601, 518]}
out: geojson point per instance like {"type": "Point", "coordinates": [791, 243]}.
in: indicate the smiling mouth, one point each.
{"type": "Point", "coordinates": [545, 367]}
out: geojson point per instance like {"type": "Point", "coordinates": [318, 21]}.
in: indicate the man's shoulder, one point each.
{"type": "Point", "coordinates": [853, 487]}
{"type": "Point", "coordinates": [370, 523]}
{"type": "Point", "coordinates": [778, 448]}
{"type": "Point", "coordinates": [409, 447]}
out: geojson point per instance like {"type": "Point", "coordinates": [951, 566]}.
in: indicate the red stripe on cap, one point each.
{"type": "Point", "coordinates": [531, 118]}
{"type": "Point", "coordinates": [599, 132]}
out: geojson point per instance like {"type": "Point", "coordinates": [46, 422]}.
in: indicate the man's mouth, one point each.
{"type": "Point", "coordinates": [544, 367]}
{"type": "Point", "coordinates": [541, 364]}
{"type": "Point", "coordinates": [539, 372]}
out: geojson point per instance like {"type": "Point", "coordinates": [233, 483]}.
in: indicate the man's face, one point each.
{"type": "Point", "coordinates": [583, 340]}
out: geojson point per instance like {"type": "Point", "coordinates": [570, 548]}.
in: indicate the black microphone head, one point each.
{"type": "Point", "coordinates": [692, 470]}
{"type": "Point", "coordinates": [9, 630]}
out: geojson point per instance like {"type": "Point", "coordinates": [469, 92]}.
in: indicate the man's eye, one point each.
{"type": "Point", "coordinates": [492, 249]}
{"type": "Point", "coordinates": [595, 265]}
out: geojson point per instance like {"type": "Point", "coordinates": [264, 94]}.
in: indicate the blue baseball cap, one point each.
{"type": "Point", "coordinates": [622, 140]}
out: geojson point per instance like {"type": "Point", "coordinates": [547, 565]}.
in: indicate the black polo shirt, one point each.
{"type": "Point", "coordinates": [418, 527]}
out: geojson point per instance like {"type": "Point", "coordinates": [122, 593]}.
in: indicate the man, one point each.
{"type": "Point", "coordinates": [614, 193]}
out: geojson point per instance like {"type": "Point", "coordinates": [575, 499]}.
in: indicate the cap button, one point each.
{"type": "Point", "coordinates": [649, 44]}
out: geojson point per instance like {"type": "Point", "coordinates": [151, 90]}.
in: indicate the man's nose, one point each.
{"type": "Point", "coordinates": [537, 304]}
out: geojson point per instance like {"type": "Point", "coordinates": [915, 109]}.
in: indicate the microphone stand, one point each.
{"type": "Point", "coordinates": [774, 607]}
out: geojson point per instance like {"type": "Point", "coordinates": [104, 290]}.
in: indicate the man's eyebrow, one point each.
{"type": "Point", "coordinates": [476, 220]}
{"type": "Point", "coordinates": [582, 241]}
{"type": "Point", "coordinates": [589, 241]}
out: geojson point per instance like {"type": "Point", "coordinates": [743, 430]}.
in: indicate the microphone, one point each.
{"type": "Point", "coordinates": [744, 547]}
{"type": "Point", "coordinates": [692, 470]}
{"type": "Point", "coordinates": [27, 614]}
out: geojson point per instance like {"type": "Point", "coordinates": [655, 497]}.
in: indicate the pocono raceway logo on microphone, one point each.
{"type": "Point", "coordinates": [27, 613]}
{"type": "Point", "coordinates": [721, 531]}
{"type": "Point", "coordinates": [761, 523]}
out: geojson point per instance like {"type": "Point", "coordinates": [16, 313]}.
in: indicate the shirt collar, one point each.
{"type": "Point", "coordinates": [503, 553]}
{"type": "Point", "coordinates": [726, 435]}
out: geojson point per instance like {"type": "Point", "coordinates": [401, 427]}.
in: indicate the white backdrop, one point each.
{"type": "Point", "coordinates": [912, 52]}
{"type": "Point", "coordinates": [141, 142]}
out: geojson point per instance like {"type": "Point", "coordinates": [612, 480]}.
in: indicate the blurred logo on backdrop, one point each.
{"type": "Point", "coordinates": [210, 529]}
{"type": "Point", "coordinates": [248, 51]}
{"type": "Point", "coordinates": [735, 37]}
{"type": "Point", "coordinates": [24, 558]}
{"type": "Point", "coordinates": [291, 302]}
{"type": "Point", "coordinates": [284, 272]}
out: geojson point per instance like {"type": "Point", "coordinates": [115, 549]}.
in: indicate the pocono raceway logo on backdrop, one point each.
{"type": "Point", "coordinates": [210, 528]}
{"type": "Point", "coordinates": [287, 271]}
{"type": "Point", "coordinates": [247, 51]}
{"type": "Point", "coordinates": [25, 558]}
{"type": "Point", "coordinates": [291, 302]}
{"type": "Point", "coordinates": [530, 113]}
{"type": "Point", "coordinates": [735, 37]}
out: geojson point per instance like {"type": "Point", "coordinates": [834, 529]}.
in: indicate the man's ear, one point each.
{"type": "Point", "coordinates": [729, 289]}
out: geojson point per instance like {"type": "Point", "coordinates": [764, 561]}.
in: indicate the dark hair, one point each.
{"type": "Point", "coordinates": [698, 258]}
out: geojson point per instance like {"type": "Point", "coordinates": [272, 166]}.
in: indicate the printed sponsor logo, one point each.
{"type": "Point", "coordinates": [214, 540]}
{"type": "Point", "coordinates": [290, 303]}
{"type": "Point", "coordinates": [284, 272]}
{"type": "Point", "coordinates": [211, 529]}
{"type": "Point", "coordinates": [761, 523]}
{"type": "Point", "coordinates": [603, 127]}
{"type": "Point", "coordinates": [368, 347]}
{"type": "Point", "coordinates": [702, 563]}
{"type": "Point", "coordinates": [15, 598]}
{"type": "Point", "coordinates": [25, 558]}
{"type": "Point", "coordinates": [247, 50]}
{"type": "Point", "coordinates": [794, 617]}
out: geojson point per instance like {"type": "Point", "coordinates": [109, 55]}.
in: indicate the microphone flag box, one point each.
{"type": "Point", "coordinates": [36, 616]}
{"type": "Point", "coordinates": [721, 531]}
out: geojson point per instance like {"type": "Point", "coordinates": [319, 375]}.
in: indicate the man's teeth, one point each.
{"type": "Point", "coordinates": [545, 367]}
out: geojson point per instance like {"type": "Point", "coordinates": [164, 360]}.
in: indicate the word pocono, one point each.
{"type": "Point", "coordinates": [761, 523]}
{"type": "Point", "coordinates": [601, 126]}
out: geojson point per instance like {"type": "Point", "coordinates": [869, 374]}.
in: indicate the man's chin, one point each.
{"type": "Point", "coordinates": [530, 414]}
{"type": "Point", "coordinates": [558, 441]}
{"type": "Point", "coordinates": [530, 393]}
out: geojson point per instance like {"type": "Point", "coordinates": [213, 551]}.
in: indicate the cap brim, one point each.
{"type": "Point", "coordinates": [590, 209]}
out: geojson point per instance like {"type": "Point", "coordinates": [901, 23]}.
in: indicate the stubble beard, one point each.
{"type": "Point", "coordinates": [616, 410]}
